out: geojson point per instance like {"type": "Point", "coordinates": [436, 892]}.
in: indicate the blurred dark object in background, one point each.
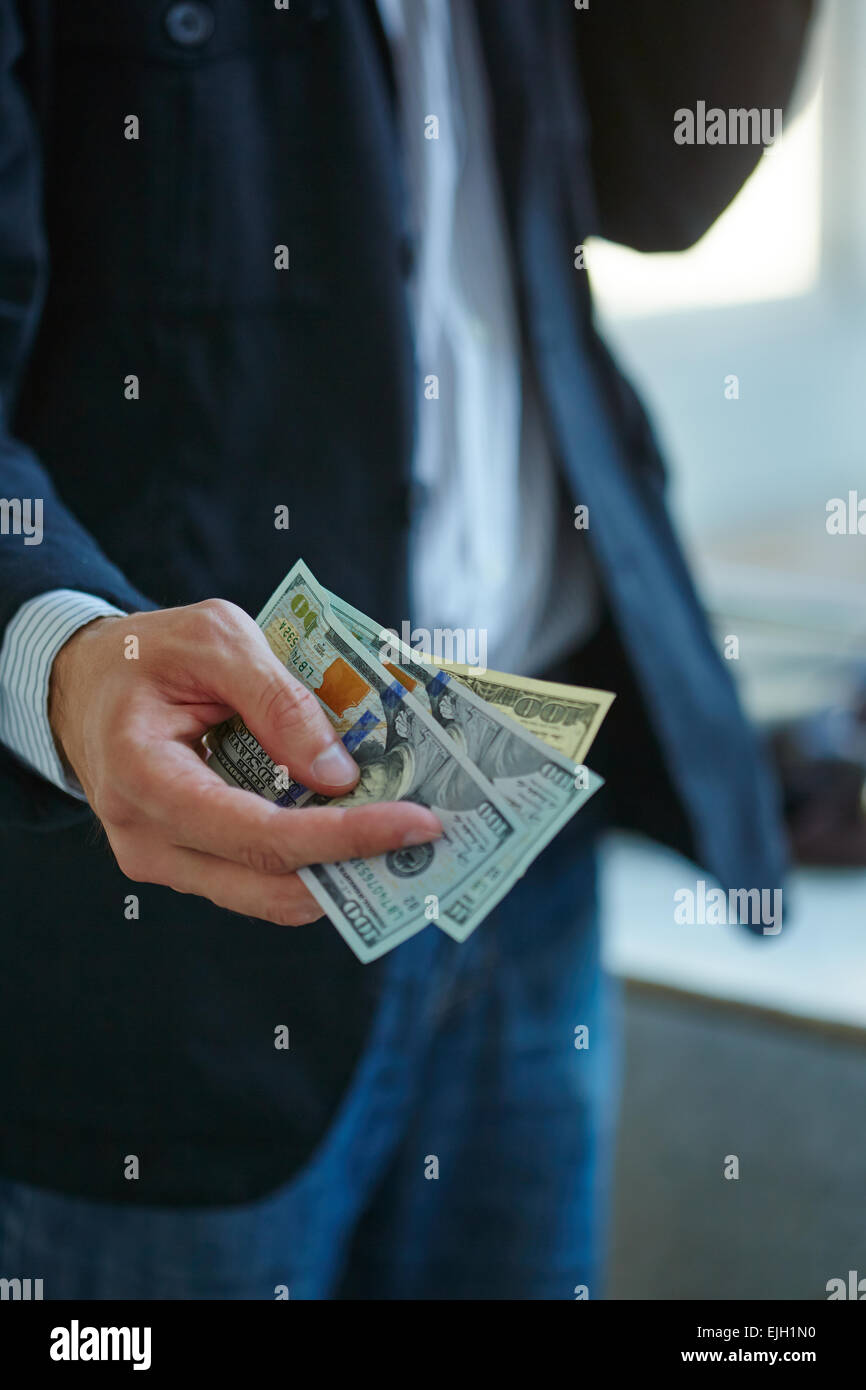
{"type": "Point", "coordinates": [821, 762]}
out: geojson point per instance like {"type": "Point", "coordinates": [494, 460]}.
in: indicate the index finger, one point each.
{"type": "Point", "coordinates": [199, 811]}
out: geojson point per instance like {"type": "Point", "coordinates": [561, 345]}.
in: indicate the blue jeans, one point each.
{"type": "Point", "coordinates": [470, 1157]}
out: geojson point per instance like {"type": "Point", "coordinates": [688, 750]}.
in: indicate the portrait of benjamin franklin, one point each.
{"type": "Point", "coordinates": [411, 765]}
{"type": "Point", "coordinates": [495, 749]}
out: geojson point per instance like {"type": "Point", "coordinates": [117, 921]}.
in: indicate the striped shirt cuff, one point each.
{"type": "Point", "coordinates": [32, 640]}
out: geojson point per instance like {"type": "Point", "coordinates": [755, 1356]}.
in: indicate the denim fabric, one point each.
{"type": "Point", "coordinates": [471, 1063]}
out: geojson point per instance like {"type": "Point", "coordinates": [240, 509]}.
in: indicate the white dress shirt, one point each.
{"type": "Point", "coordinates": [493, 547]}
{"type": "Point", "coordinates": [32, 640]}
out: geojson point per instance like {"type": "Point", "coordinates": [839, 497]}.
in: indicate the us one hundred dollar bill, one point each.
{"type": "Point", "coordinates": [542, 785]}
{"type": "Point", "coordinates": [402, 753]}
{"type": "Point", "coordinates": [391, 719]}
{"type": "Point", "coordinates": [567, 717]}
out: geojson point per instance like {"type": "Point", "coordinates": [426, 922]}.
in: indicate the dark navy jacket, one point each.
{"type": "Point", "coordinates": [261, 127]}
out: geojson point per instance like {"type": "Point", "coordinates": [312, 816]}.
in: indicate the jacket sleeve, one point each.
{"type": "Point", "coordinates": [639, 63]}
{"type": "Point", "coordinates": [42, 546]}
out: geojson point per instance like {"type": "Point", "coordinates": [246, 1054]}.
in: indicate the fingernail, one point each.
{"type": "Point", "coordinates": [421, 835]}
{"type": "Point", "coordinates": [334, 766]}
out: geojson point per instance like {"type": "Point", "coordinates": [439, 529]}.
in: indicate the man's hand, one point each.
{"type": "Point", "coordinates": [130, 731]}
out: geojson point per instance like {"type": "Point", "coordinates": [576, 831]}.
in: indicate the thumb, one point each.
{"type": "Point", "coordinates": [283, 714]}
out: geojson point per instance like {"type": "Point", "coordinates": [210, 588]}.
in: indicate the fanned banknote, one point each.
{"type": "Point", "coordinates": [378, 902]}
{"type": "Point", "coordinates": [542, 786]}
{"type": "Point", "coordinates": [567, 717]}
{"type": "Point", "coordinates": [417, 734]}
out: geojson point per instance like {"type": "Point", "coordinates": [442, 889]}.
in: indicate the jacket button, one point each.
{"type": "Point", "coordinates": [189, 24]}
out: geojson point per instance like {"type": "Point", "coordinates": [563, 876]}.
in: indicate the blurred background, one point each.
{"type": "Point", "coordinates": [740, 1045]}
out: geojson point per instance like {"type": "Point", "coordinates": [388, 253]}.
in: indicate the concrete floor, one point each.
{"type": "Point", "coordinates": [708, 1079]}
